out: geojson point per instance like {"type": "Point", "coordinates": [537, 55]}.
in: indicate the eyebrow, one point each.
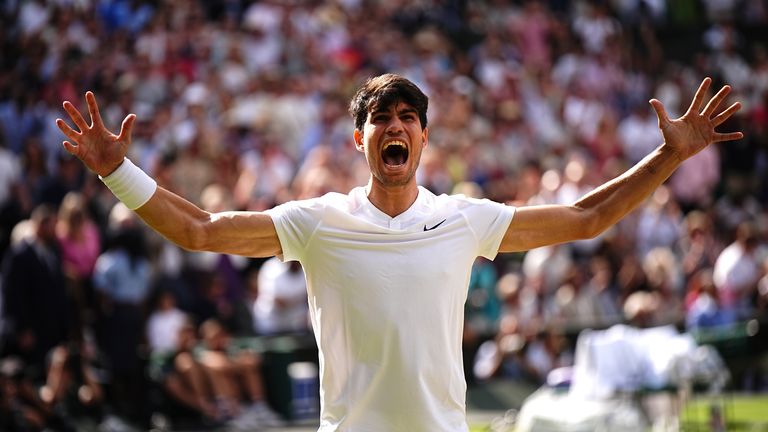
{"type": "Point", "coordinates": [406, 110]}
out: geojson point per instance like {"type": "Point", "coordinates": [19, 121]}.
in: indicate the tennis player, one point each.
{"type": "Point", "coordinates": [388, 264]}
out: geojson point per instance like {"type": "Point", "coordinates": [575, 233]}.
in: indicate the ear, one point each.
{"type": "Point", "coordinates": [424, 137]}
{"type": "Point", "coordinates": [358, 137]}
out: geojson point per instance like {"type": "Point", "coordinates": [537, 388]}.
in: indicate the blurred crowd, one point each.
{"type": "Point", "coordinates": [243, 105]}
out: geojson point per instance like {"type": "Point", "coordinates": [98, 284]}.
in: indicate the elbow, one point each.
{"type": "Point", "coordinates": [592, 231]}
{"type": "Point", "coordinates": [192, 236]}
{"type": "Point", "coordinates": [196, 241]}
{"type": "Point", "coordinates": [190, 245]}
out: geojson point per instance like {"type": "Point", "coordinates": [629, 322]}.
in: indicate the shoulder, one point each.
{"type": "Point", "coordinates": [318, 205]}
{"type": "Point", "coordinates": [463, 202]}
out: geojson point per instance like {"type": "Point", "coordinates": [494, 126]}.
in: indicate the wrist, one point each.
{"type": "Point", "coordinates": [672, 153]}
{"type": "Point", "coordinates": [106, 172]}
{"type": "Point", "coordinates": [130, 184]}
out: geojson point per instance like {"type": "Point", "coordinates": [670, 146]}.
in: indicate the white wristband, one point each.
{"type": "Point", "coordinates": [130, 184]}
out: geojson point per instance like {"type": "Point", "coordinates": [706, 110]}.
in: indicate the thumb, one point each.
{"type": "Point", "coordinates": [126, 128]}
{"type": "Point", "coordinates": [661, 113]}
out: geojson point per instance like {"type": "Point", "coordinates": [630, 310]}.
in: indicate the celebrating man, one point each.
{"type": "Point", "coordinates": [387, 265]}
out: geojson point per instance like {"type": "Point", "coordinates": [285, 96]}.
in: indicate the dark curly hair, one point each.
{"type": "Point", "coordinates": [381, 92]}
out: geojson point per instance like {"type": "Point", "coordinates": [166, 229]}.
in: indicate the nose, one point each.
{"type": "Point", "coordinates": [395, 126]}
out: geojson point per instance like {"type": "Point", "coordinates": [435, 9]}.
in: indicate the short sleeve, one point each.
{"type": "Point", "coordinates": [489, 221]}
{"type": "Point", "coordinates": [295, 223]}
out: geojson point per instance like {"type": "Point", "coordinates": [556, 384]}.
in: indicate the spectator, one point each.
{"type": "Point", "coordinates": [164, 322]}
{"type": "Point", "coordinates": [236, 380]}
{"type": "Point", "coordinates": [281, 305]}
{"type": "Point", "coordinates": [546, 352]}
{"type": "Point", "coordinates": [80, 244]}
{"type": "Point", "coordinates": [508, 290]}
{"type": "Point", "coordinates": [737, 271]}
{"type": "Point", "coordinates": [172, 338]}
{"type": "Point", "coordinates": [638, 133]}
{"type": "Point", "coordinates": [596, 27]}
{"type": "Point", "coordinates": [550, 265]}
{"type": "Point", "coordinates": [605, 146]}
{"type": "Point", "coordinates": [66, 177]}
{"type": "Point", "coordinates": [121, 279]}
{"type": "Point", "coordinates": [736, 206]}
{"type": "Point", "coordinates": [502, 357]}
{"type": "Point", "coordinates": [666, 285]}
{"type": "Point", "coordinates": [658, 223]}
{"type": "Point", "coordinates": [600, 294]}
{"type": "Point", "coordinates": [640, 309]}
{"type": "Point", "coordinates": [72, 389]}
{"type": "Point", "coordinates": [20, 409]}
{"type": "Point", "coordinates": [704, 309]}
{"type": "Point", "coordinates": [693, 185]}
{"type": "Point", "coordinates": [34, 169]}
{"type": "Point", "coordinates": [36, 307]}
{"type": "Point", "coordinates": [699, 248]}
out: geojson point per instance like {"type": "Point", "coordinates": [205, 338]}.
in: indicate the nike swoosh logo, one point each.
{"type": "Point", "coordinates": [430, 229]}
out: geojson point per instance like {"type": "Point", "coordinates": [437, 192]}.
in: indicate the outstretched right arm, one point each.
{"type": "Point", "coordinates": [237, 232]}
{"type": "Point", "coordinates": [242, 233]}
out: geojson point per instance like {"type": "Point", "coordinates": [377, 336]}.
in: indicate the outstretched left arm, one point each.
{"type": "Point", "coordinates": [538, 226]}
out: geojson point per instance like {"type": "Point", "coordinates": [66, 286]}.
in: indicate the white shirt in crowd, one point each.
{"type": "Point", "coordinates": [281, 305]}
{"type": "Point", "coordinates": [163, 329]}
{"type": "Point", "coordinates": [736, 271]}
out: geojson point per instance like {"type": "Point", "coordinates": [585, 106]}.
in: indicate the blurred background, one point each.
{"type": "Point", "coordinates": [243, 105]}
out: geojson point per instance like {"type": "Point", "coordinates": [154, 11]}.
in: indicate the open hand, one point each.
{"type": "Point", "coordinates": [695, 130]}
{"type": "Point", "coordinates": [99, 149]}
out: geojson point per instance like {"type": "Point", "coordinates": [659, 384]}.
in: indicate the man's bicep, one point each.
{"type": "Point", "coordinates": [538, 226]}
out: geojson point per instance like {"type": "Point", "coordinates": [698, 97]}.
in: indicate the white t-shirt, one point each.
{"type": "Point", "coordinates": [736, 271]}
{"type": "Point", "coordinates": [386, 300]}
{"type": "Point", "coordinates": [163, 330]}
{"type": "Point", "coordinates": [277, 283]}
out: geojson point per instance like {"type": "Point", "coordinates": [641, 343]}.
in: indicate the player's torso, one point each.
{"type": "Point", "coordinates": [387, 299]}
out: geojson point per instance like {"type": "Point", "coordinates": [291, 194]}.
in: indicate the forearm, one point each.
{"type": "Point", "coordinates": [176, 219]}
{"type": "Point", "coordinates": [613, 200]}
{"type": "Point", "coordinates": [167, 213]}
{"type": "Point", "coordinates": [234, 232]}
{"type": "Point", "coordinates": [537, 226]}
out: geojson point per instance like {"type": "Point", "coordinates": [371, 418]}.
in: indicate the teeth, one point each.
{"type": "Point", "coordinates": [394, 143]}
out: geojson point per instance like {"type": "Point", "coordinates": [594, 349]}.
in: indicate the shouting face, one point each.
{"type": "Point", "coordinates": [392, 140]}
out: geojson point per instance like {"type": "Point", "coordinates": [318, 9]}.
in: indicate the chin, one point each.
{"type": "Point", "coordinates": [395, 180]}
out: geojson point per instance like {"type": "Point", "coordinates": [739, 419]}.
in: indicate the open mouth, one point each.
{"type": "Point", "coordinates": [394, 153]}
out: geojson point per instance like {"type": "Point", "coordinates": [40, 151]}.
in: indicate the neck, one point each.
{"type": "Point", "coordinates": [392, 200]}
